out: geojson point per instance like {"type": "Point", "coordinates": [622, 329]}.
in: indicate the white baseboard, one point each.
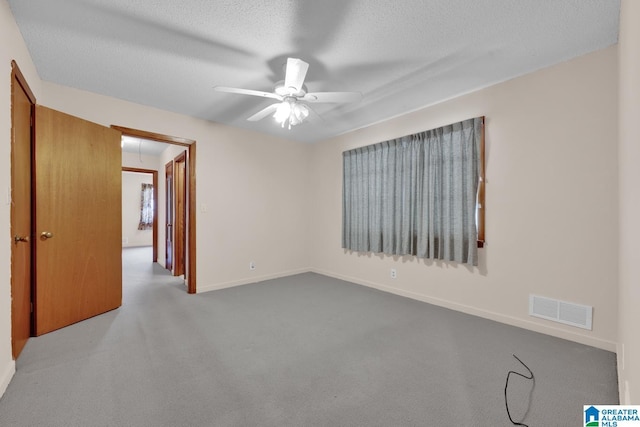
{"type": "Point", "coordinates": [246, 281]}
{"type": "Point", "coordinates": [486, 314]}
{"type": "Point", "coordinates": [509, 320]}
{"type": "Point", "coordinates": [6, 376]}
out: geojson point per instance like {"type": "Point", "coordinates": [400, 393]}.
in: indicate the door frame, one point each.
{"type": "Point", "coordinates": [169, 187]}
{"type": "Point", "coordinates": [154, 173]}
{"type": "Point", "coordinates": [179, 215]}
{"type": "Point", "coordinates": [190, 144]}
{"type": "Point", "coordinates": [18, 80]}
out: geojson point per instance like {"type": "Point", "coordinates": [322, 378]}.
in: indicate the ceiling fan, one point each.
{"type": "Point", "coordinates": [292, 94]}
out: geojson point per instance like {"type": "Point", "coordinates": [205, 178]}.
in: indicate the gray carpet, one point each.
{"type": "Point", "coordinates": [305, 350]}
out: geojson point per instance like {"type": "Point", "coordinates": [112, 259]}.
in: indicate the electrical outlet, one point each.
{"type": "Point", "coordinates": [252, 265]}
{"type": "Point", "coordinates": [394, 273]}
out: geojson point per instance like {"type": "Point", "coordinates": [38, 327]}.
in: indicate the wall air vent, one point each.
{"type": "Point", "coordinates": [561, 311]}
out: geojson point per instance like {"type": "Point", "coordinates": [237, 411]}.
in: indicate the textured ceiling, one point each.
{"type": "Point", "coordinates": [401, 55]}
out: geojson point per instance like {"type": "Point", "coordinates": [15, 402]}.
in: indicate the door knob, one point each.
{"type": "Point", "coordinates": [17, 239]}
{"type": "Point", "coordinates": [46, 235]}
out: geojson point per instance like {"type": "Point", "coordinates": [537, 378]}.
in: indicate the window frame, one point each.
{"type": "Point", "coordinates": [480, 207]}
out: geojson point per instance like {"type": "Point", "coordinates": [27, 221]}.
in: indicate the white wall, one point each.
{"type": "Point", "coordinates": [131, 190]}
{"type": "Point", "coordinates": [12, 47]}
{"type": "Point", "coordinates": [552, 215]}
{"type": "Point", "coordinates": [551, 201]}
{"type": "Point", "coordinates": [629, 344]}
{"type": "Point", "coordinates": [141, 161]}
{"type": "Point", "coordinates": [249, 207]}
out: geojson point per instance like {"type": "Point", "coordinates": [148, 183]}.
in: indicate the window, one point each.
{"type": "Point", "coordinates": [146, 207]}
{"type": "Point", "coordinates": [419, 195]}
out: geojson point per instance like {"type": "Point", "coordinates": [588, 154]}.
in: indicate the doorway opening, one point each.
{"type": "Point", "coordinates": [134, 233]}
{"type": "Point", "coordinates": [22, 104]}
{"type": "Point", "coordinates": [181, 152]}
{"type": "Point", "coordinates": [72, 270]}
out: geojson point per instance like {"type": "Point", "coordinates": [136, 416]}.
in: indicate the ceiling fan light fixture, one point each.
{"type": "Point", "coordinates": [300, 112]}
{"type": "Point", "coordinates": [292, 112]}
{"type": "Point", "coordinates": [282, 112]}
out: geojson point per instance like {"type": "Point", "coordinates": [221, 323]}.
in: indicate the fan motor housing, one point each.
{"type": "Point", "coordinates": [281, 90]}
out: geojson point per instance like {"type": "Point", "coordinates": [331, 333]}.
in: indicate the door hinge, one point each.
{"type": "Point", "coordinates": [31, 307]}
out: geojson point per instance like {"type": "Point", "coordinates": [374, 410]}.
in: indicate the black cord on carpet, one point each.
{"type": "Point", "coordinates": [506, 404]}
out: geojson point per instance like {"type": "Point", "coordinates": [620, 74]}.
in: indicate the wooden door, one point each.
{"type": "Point", "coordinates": [168, 227]}
{"type": "Point", "coordinates": [180, 218]}
{"type": "Point", "coordinates": [21, 104]}
{"type": "Point", "coordinates": [78, 218]}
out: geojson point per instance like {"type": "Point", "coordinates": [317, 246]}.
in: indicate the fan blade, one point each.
{"type": "Point", "coordinates": [247, 92]}
{"type": "Point", "coordinates": [332, 97]}
{"type": "Point", "coordinates": [295, 74]}
{"type": "Point", "coordinates": [314, 116]}
{"type": "Point", "coordinates": [264, 112]}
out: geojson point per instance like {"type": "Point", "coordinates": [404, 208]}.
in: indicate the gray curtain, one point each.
{"type": "Point", "coordinates": [415, 195]}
